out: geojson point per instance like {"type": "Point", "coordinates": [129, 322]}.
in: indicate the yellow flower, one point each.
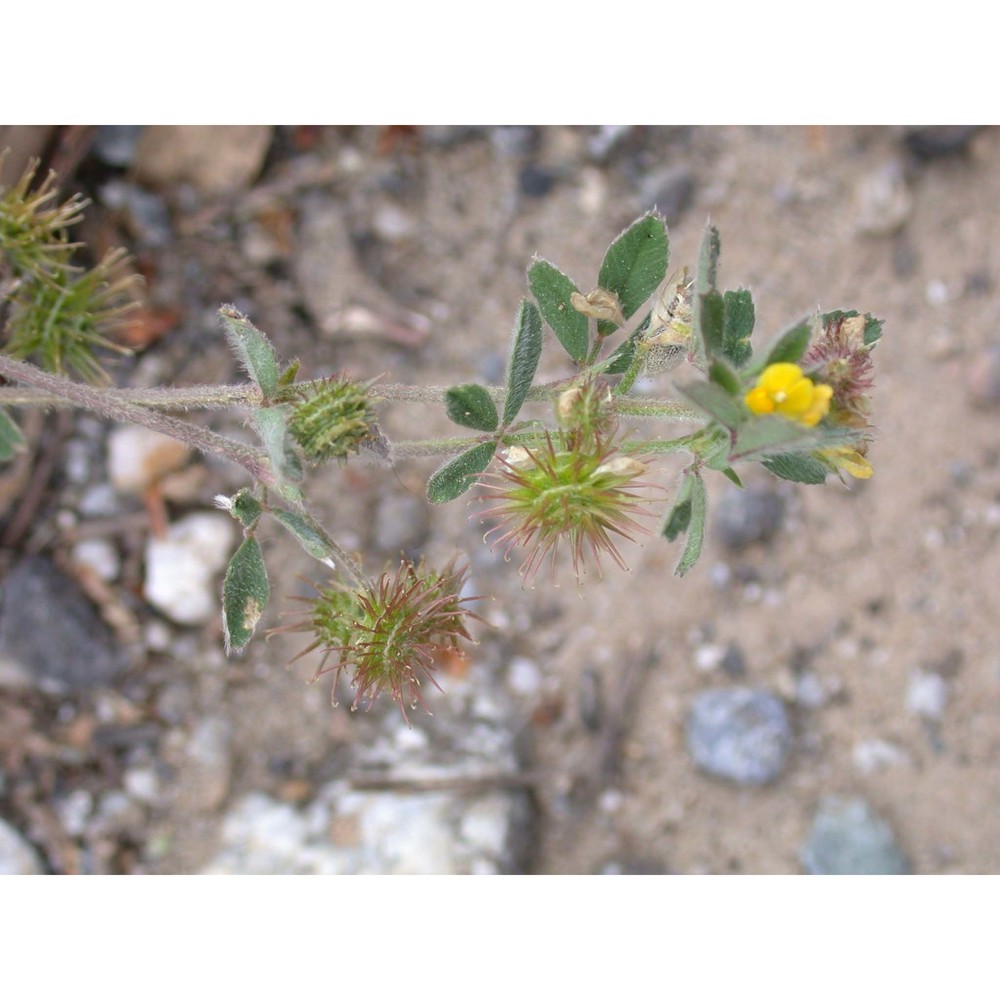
{"type": "Point", "coordinates": [849, 459]}
{"type": "Point", "coordinates": [783, 389]}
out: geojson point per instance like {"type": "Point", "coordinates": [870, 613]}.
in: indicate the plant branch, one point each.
{"type": "Point", "coordinates": [195, 397]}
{"type": "Point", "coordinates": [112, 406]}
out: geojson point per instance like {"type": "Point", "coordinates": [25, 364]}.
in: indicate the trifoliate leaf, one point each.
{"type": "Point", "coordinates": [252, 349]}
{"type": "Point", "coordinates": [635, 265]}
{"type": "Point", "coordinates": [525, 351]}
{"type": "Point", "coordinates": [715, 401]}
{"type": "Point", "coordinates": [457, 475]}
{"type": "Point", "coordinates": [738, 326]}
{"type": "Point", "coordinates": [471, 406]}
{"type": "Point", "coordinates": [797, 468]}
{"type": "Point", "coordinates": [553, 289]}
{"type": "Point", "coordinates": [245, 591]}
{"type": "Point", "coordinates": [306, 531]}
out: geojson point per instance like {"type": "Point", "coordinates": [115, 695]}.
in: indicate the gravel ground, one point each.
{"type": "Point", "coordinates": [821, 694]}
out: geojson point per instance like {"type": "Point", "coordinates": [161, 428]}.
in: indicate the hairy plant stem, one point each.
{"type": "Point", "coordinates": [195, 397]}
{"type": "Point", "coordinates": [111, 406]}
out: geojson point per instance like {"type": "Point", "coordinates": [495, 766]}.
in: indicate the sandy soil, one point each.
{"type": "Point", "coordinates": [862, 587]}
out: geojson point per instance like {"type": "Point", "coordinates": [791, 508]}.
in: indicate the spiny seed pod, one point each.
{"type": "Point", "coordinates": [331, 418]}
{"type": "Point", "coordinates": [388, 634]}
{"type": "Point", "coordinates": [584, 497]}
{"type": "Point", "coordinates": [586, 415]}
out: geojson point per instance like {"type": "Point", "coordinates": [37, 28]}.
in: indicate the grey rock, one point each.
{"type": "Point", "coordinates": [115, 144]}
{"type": "Point", "coordinates": [745, 517]}
{"type": "Point", "coordinates": [51, 636]}
{"type": "Point", "coordinates": [401, 524]}
{"type": "Point", "coordinates": [207, 770]}
{"type": "Point", "coordinates": [935, 141]}
{"type": "Point", "coordinates": [514, 141]}
{"type": "Point", "coordinates": [884, 201]}
{"type": "Point", "coordinates": [536, 181]}
{"type": "Point", "coordinates": [671, 190]}
{"type": "Point", "coordinates": [848, 838]}
{"type": "Point", "coordinates": [983, 378]}
{"type": "Point", "coordinates": [17, 857]}
{"type": "Point", "coordinates": [144, 212]}
{"type": "Point", "coordinates": [742, 734]}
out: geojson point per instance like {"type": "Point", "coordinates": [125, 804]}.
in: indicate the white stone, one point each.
{"type": "Point", "coordinates": [875, 755]}
{"type": "Point", "coordinates": [524, 676]}
{"type": "Point", "coordinates": [99, 556]}
{"type": "Point", "coordinates": [181, 568]}
{"type": "Point", "coordinates": [926, 694]}
{"type": "Point", "coordinates": [17, 857]}
{"type": "Point", "coordinates": [708, 656]}
{"type": "Point", "coordinates": [138, 457]}
{"type": "Point", "coordinates": [142, 784]}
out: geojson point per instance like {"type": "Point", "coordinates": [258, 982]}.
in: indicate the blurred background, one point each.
{"type": "Point", "coordinates": [821, 694]}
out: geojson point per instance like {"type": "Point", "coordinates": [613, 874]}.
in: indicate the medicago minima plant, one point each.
{"type": "Point", "coordinates": [567, 485]}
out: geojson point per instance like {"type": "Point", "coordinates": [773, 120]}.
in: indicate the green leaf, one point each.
{"type": "Point", "coordinates": [11, 438]}
{"type": "Point", "coordinates": [790, 345]}
{"type": "Point", "coordinates": [712, 316]}
{"type": "Point", "coordinates": [524, 354]}
{"type": "Point", "coordinates": [635, 265]}
{"type": "Point", "coordinates": [553, 289]}
{"type": "Point", "coordinates": [696, 523]}
{"type": "Point", "coordinates": [708, 261]}
{"type": "Point", "coordinates": [271, 425]}
{"type": "Point", "coordinates": [679, 516]}
{"type": "Point", "coordinates": [457, 475]}
{"type": "Point", "coordinates": [715, 401]}
{"type": "Point", "coordinates": [722, 375]}
{"type": "Point", "coordinates": [245, 591]}
{"type": "Point", "coordinates": [873, 327]}
{"type": "Point", "coordinates": [621, 360]}
{"type": "Point", "coordinates": [767, 435]}
{"type": "Point", "coordinates": [797, 468]}
{"type": "Point", "coordinates": [873, 330]}
{"type": "Point", "coordinates": [252, 349]}
{"type": "Point", "coordinates": [704, 282]}
{"type": "Point", "coordinates": [471, 406]}
{"type": "Point", "coordinates": [306, 531]}
{"type": "Point", "coordinates": [245, 507]}
{"type": "Point", "coordinates": [738, 326]}
{"type": "Point", "coordinates": [731, 475]}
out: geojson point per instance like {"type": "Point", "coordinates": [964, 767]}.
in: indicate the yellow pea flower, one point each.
{"type": "Point", "coordinates": [783, 389]}
{"type": "Point", "coordinates": [849, 459]}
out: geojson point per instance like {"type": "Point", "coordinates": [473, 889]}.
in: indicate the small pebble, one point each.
{"type": "Point", "coordinates": [51, 636]}
{"type": "Point", "coordinates": [871, 756]}
{"type": "Point", "coordinates": [523, 676]}
{"type": "Point", "coordinates": [937, 292]}
{"type": "Point", "coordinates": [933, 142]}
{"type": "Point", "coordinates": [115, 144]}
{"type": "Point", "coordinates": [138, 457]}
{"type": "Point", "coordinates": [847, 838]}
{"type": "Point", "coordinates": [745, 517]}
{"type": "Point", "coordinates": [742, 734]}
{"type": "Point", "coordinates": [983, 378]}
{"type": "Point", "coordinates": [535, 181]}
{"type": "Point", "coordinates": [670, 190]}
{"type": "Point", "coordinates": [884, 201]}
{"type": "Point", "coordinates": [99, 556]}
{"type": "Point", "coordinates": [208, 767]}
{"type": "Point", "coordinates": [181, 568]}
{"type": "Point", "coordinates": [401, 524]}
{"type": "Point", "coordinates": [17, 856]}
{"type": "Point", "coordinates": [926, 694]}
